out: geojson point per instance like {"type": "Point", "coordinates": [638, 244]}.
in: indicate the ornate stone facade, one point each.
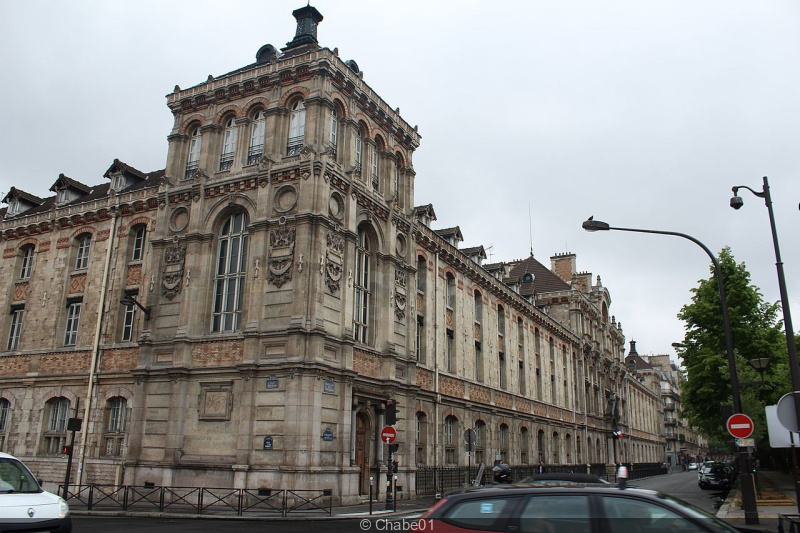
{"type": "Point", "coordinates": [242, 315]}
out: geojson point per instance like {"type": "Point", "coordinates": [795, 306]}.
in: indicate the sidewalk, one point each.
{"type": "Point", "coordinates": [777, 497]}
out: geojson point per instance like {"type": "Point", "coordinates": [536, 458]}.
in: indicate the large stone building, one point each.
{"type": "Point", "coordinates": [239, 318]}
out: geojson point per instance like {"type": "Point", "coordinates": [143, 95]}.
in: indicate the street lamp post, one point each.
{"type": "Point", "coordinates": [748, 490]}
{"type": "Point", "coordinates": [794, 369]}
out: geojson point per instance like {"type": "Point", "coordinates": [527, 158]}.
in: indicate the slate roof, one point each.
{"type": "Point", "coordinates": [544, 279]}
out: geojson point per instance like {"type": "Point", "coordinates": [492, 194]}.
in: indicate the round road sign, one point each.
{"type": "Point", "coordinates": [388, 434]}
{"type": "Point", "coordinates": [740, 426]}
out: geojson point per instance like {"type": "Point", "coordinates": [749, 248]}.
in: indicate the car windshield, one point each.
{"type": "Point", "coordinates": [14, 477]}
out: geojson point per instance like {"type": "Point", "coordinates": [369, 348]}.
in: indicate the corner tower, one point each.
{"type": "Point", "coordinates": [284, 266]}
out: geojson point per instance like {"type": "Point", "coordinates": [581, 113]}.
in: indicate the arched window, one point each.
{"type": "Point", "coordinates": [257, 129]}
{"type": "Point", "coordinates": [15, 329]}
{"type": "Point", "coordinates": [450, 291]}
{"type": "Point", "coordinates": [478, 306]}
{"type": "Point", "coordinates": [230, 274]}
{"type": "Point", "coordinates": [501, 347]}
{"type": "Point", "coordinates": [450, 439]}
{"type": "Point", "coordinates": [524, 445]}
{"type": "Point", "coordinates": [82, 254]}
{"type": "Point", "coordinates": [578, 450]}
{"type": "Point", "coordinates": [504, 441]}
{"type": "Point", "coordinates": [556, 445]}
{"type": "Point", "coordinates": [137, 237]}
{"type": "Point", "coordinates": [74, 308]}
{"type": "Point", "coordinates": [481, 441]}
{"type": "Point", "coordinates": [379, 146]}
{"type": "Point", "coordinates": [334, 131]}
{"type": "Point", "coordinates": [26, 267]}
{"type": "Point", "coordinates": [540, 445]}
{"type": "Point", "coordinates": [116, 424]}
{"type": "Point", "coordinates": [523, 389]}
{"type": "Point", "coordinates": [568, 448]}
{"type": "Point", "coordinates": [421, 437]}
{"type": "Point", "coordinates": [195, 143]}
{"type": "Point", "coordinates": [5, 417]}
{"type": "Point", "coordinates": [396, 179]}
{"type": "Point", "coordinates": [359, 149]}
{"type": "Point", "coordinates": [297, 128]}
{"type": "Point", "coordinates": [361, 287]}
{"type": "Point", "coordinates": [228, 144]}
{"type": "Point", "coordinates": [55, 433]}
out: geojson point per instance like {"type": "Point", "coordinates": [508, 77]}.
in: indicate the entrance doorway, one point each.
{"type": "Point", "coordinates": [362, 452]}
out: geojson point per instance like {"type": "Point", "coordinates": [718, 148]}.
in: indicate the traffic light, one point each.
{"type": "Point", "coordinates": [66, 449]}
{"type": "Point", "coordinates": [391, 412]}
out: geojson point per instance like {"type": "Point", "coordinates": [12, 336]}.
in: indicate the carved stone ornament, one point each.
{"type": "Point", "coordinates": [400, 298]}
{"type": "Point", "coordinates": [172, 272]}
{"type": "Point", "coordinates": [333, 262]}
{"type": "Point", "coordinates": [281, 257]}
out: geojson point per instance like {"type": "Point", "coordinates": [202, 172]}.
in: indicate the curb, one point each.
{"type": "Point", "coordinates": [260, 518]}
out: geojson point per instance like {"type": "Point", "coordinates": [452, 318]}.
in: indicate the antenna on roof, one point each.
{"type": "Point", "coordinates": [530, 227]}
{"type": "Point", "coordinates": [490, 253]}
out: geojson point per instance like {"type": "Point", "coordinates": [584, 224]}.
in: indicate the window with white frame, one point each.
{"type": "Point", "coordinates": [13, 206]}
{"type": "Point", "coordinates": [5, 417]}
{"type": "Point", "coordinates": [27, 262]}
{"type": "Point", "coordinates": [119, 182]}
{"type": "Point", "coordinates": [297, 128]}
{"type": "Point", "coordinates": [359, 149]}
{"type": "Point", "coordinates": [524, 445]}
{"type": "Point", "coordinates": [195, 144]}
{"type": "Point", "coordinates": [481, 441]}
{"type": "Point", "coordinates": [14, 331]}
{"type": "Point", "coordinates": [128, 319]}
{"type": "Point", "coordinates": [450, 430]}
{"type": "Point", "coordinates": [137, 246]}
{"type": "Point", "coordinates": [55, 434]}
{"type": "Point", "coordinates": [82, 255]}
{"type": "Point", "coordinates": [228, 144]}
{"type": "Point", "coordinates": [257, 130]}
{"type": "Point", "coordinates": [334, 131]}
{"type": "Point", "coordinates": [375, 180]}
{"type": "Point", "coordinates": [117, 408]}
{"type": "Point", "coordinates": [230, 275]}
{"type": "Point", "coordinates": [396, 180]}
{"type": "Point", "coordinates": [73, 320]}
{"type": "Point", "coordinates": [62, 195]}
{"type": "Point", "coordinates": [361, 292]}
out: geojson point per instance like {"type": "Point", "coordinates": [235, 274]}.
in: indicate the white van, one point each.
{"type": "Point", "coordinates": [24, 505]}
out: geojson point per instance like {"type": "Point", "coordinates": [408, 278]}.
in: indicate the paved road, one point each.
{"type": "Point", "coordinates": [683, 485]}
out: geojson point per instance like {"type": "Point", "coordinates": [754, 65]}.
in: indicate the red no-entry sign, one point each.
{"type": "Point", "coordinates": [388, 434]}
{"type": "Point", "coordinates": [740, 426]}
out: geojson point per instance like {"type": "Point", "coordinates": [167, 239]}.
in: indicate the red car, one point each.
{"type": "Point", "coordinates": [566, 509]}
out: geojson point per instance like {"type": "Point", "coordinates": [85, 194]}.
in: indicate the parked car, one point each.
{"type": "Point", "coordinates": [568, 508]}
{"type": "Point", "coordinates": [692, 466]}
{"type": "Point", "coordinates": [715, 475]}
{"type": "Point", "coordinates": [24, 506]}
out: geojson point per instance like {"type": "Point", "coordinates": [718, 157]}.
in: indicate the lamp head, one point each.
{"type": "Point", "coordinates": [126, 301]}
{"type": "Point", "coordinates": [595, 225]}
{"type": "Point", "coordinates": [736, 201]}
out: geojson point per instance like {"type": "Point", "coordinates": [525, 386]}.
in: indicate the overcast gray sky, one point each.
{"type": "Point", "coordinates": [643, 114]}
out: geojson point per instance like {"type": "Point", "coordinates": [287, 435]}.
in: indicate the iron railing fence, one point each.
{"type": "Point", "coordinates": [199, 500]}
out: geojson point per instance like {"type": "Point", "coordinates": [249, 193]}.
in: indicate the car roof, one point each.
{"type": "Point", "coordinates": [6, 456]}
{"type": "Point", "coordinates": [514, 489]}
{"type": "Point", "coordinates": [570, 477]}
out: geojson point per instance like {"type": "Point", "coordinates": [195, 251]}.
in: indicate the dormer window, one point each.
{"type": "Point", "coordinates": [119, 182]}
{"type": "Point", "coordinates": [62, 196]}
{"type": "Point", "coordinates": [13, 206]}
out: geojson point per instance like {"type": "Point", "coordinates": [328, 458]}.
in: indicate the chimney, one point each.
{"type": "Point", "coordinates": [307, 19]}
{"type": "Point", "coordinates": [563, 266]}
{"type": "Point", "coordinates": [633, 349]}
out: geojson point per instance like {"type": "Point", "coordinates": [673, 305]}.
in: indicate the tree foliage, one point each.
{"type": "Point", "coordinates": [756, 333]}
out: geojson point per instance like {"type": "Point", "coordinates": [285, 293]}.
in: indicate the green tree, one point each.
{"type": "Point", "coordinates": [756, 333]}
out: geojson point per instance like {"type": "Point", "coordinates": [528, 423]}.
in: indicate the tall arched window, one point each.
{"type": "Point", "coordinates": [257, 129]}
{"type": "Point", "coordinates": [361, 292]}
{"type": "Point", "coordinates": [228, 144]}
{"type": "Point", "coordinates": [450, 439]}
{"type": "Point", "coordinates": [359, 149]}
{"type": "Point", "coordinates": [297, 128]}
{"type": "Point", "coordinates": [523, 389]}
{"type": "Point", "coordinates": [117, 421]}
{"type": "Point", "coordinates": [137, 236]}
{"type": "Point", "coordinates": [421, 437]}
{"type": "Point", "coordinates": [5, 417]}
{"type": "Point", "coordinates": [230, 274]}
{"type": "Point", "coordinates": [504, 442]}
{"type": "Point", "coordinates": [540, 445]}
{"type": "Point", "coordinates": [334, 131]}
{"type": "Point", "coordinates": [501, 347]}
{"type": "Point", "coordinates": [481, 441]}
{"type": "Point", "coordinates": [524, 445]}
{"type": "Point", "coordinates": [396, 179]}
{"type": "Point", "coordinates": [556, 446]}
{"type": "Point", "coordinates": [27, 261]}
{"type": "Point", "coordinates": [195, 143]}
{"type": "Point", "coordinates": [82, 254]}
{"type": "Point", "coordinates": [55, 433]}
